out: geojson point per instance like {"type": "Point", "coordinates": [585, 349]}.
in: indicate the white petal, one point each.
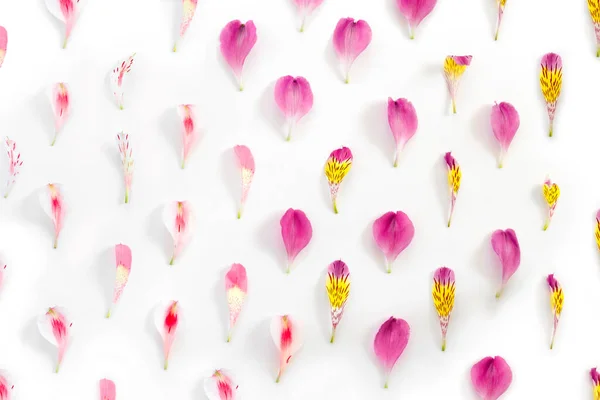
{"type": "Point", "coordinates": [45, 328]}
{"type": "Point", "coordinates": [54, 8]}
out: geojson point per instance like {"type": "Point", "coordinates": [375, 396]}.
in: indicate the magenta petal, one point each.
{"type": "Point", "coordinates": [552, 61]}
{"type": "Point", "coordinates": [506, 246]}
{"type": "Point", "coordinates": [296, 232]}
{"type": "Point", "coordinates": [505, 122]}
{"type": "Point", "coordinates": [294, 98]}
{"type": "Point", "coordinates": [403, 121]}
{"type": "Point", "coordinates": [237, 40]}
{"type": "Point", "coordinates": [393, 232]}
{"type": "Point", "coordinates": [350, 38]}
{"type": "Point", "coordinates": [491, 377]}
{"type": "Point", "coordinates": [415, 11]}
{"type": "Point", "coordinates": [390, 342]}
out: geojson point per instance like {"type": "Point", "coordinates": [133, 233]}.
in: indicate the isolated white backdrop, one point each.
{"type": "Point", "coordinates": [79, 275]}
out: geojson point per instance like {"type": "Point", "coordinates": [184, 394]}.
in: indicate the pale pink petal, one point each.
{"type": "Point", "coordinates": [123, 262]}
{"type": "Point", "coordinates": [491, 377]}
{"type": "Point", "coordinates": [236, 288]}
{"type": "Point", "coordinates": [167, 317]}
{"type": "Point", "coordinates": [126, 152]}
{"type": "Point", "coordinates": [190, 130]}
{"type": "Point", "coordinates": [220, 386]}
{"type": "Point", "coordinates": [179, 220]}
{"type": "Point", "coordinates": [415, 11]}
{"type": "Point", "coordinates": [245, 162]}
{"type": "Point", "coordinates": [14, 164]}
{"type": "Point", "coordinates": [393, 232]}
{"type": "Point", "coordinates": [350, 39]}
{"type": "Point", "coordinates": [390, 342]}
{"type": "Point", "coordinates": [6, 386]}
{"type": "Point", "coordinates": [55, 327]}
{"type": "Point", "coordinates": [3, 44]}
{"type": "Point", "coordinates": [61, 106]}
{"type": "Point", "coordinates": [403, 122]}
{"type": "Point", "coordinates": [305, 8]}
{"type": "Point", "coordinates": [237, 40]}
{"type": "Point", "coordinates": [506, 246]}
{"type": "Point", "coordinates": [52, 202]}
{"type": "Point", "coordinates": [294, 98]}
{"type": "Point", "coordinates": [108, 390]}
{"type": "Point", "coordinates": [65, 11]}
{"type": "Point", "coordinates": [189, 9]}
{"type": "Point", "coordinates": [287, 335]}
{"type": "Point", "coordinates": [505, 122]}
{"type": "Point", "coordinates": [117, 76]}
{"type": "Point", "coordinates": [296, 232]}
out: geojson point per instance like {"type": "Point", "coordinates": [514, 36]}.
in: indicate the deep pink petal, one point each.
{"type": "Point", "coordinates": [444, 276]}
{"type": "Point", "coordinates": [552, 61]}
{"type": "Point", "coordinates": [491, 377]}
{"type": "Point", "coordinates": [462, 60]}
{"type": "Point", "coordinates": [3, 44]}
{"type": "Point", "coordinates": [390, 342]}
{"type": "Point", "coordinates": [236, 277]}
{"type": "Point", "coordinates": [505, 122]}
{"type": "Point", "coordinates": [296, 232]}
{"type": "Point", "coordinates": [403, 120]}
{"type": "Point", "coordinates": [237, 40]}
{"type": "Point", "coordinates": [244, 157]}
{"type": "Point", "coordinates": [123, 256]}
{"type": "Point", "coordinates": [351, 38]}
{"type": "Point", "coordinates": [393, 232]}
{"type": "Point", "coordinates": [108, 391]}
{"type": "Point", "coordinates": [506, 246]}
{"type": "Point", "coordinates": [415, 10]}
{"type": "Point", "coordinates": [293, 96]}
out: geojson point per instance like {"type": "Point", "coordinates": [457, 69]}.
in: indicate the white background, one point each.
{"type": "Point", "coordinates": [79, 275]}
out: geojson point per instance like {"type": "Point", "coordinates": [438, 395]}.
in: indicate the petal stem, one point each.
{"type": "Point", "coordinates": [598, 52]}
{"type": "Point", "coordinates": [389, 267]}
{"type": "Point", "coordinates": [108, 313]}
{"type": "Point", "coordinates": [166, 366]}
{"type": "Point", "coordinates": [444, 343]}
{"type": "Point", "coordinates": [172, 260]}
{"type": "Point", "coordinates": [55, 242]}
{"type": "Point", "coordinates": [547, 223]}
{"type": "Point", "coordinates": [411, 32]}
{"type": "Point", "coordinates": [332, 335]}
{"type": "Point", "coordinates": [175, 48]}
{"type": "Point", "coordinates": [551, 130]}
{"type": "Point", "coordinates": [453, 107]}
{"type": "Point", "coordinates": [54, 140]}
{"type": "Point", "coordinates": [278, 377]}
{"type": "Point", "coordinates": [126, 196]}
{"type": "Point", "coordinates": [335, 209]}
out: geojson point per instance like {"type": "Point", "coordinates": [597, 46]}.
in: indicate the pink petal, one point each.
{"type": "Point", "coordinates": [505, 122]}
{"type": "Point", "coordinates": [236, 277]}
{"type": "Point", "coordinates": [5, 387]}
{"type": "Point", "coordinates": [296, 232]}
{"type": "Point", "coordinates": [506, 246]}
{"type": "Point", "coordinates": [462, 60]}
{"type": "Point", "coordinates": [595, 376]}
{"type": "Point", "coordinates": [350, 38]}
{"type": "Point", "coordinates": [237, 40]}
{"type": "Point", "coordinates": [293, 96]}
{"type": "Point", "coordinates": [108, 391]}
{"type": "Point", "coordinates": [244, 157]}
{"type": "Point", "coordinates": [415, 10]}
{"type": "Point", "coordinates": [390, 342]}
{"type": "Point", "coordinates": [403, 120]}
{"type": "Point", "coordinates": [3, 43]}
{"type": "Point", "coordinates": [189, 9]}
{"type": "Point", "coordinates": [491, 377]}
{"type": "Point", "coordinates": [552, 61]}
{"type": "Point", "coordinates": [444, 276]}
{"type": "Point", "coordinates": [450, 160]}
{"type": "Point", "coordinates": [287, 335]}
{"type": "Point", "coordinates": [393, 232]}
{"type": "Point", "coordinates": [123, 256]}
{"type": "Point", "coordinates": [307, 6]}
{"type": "Point", "coordinates": [190, 132]}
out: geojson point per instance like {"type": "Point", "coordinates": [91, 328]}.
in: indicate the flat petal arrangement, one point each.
{"type": "Point", "coordinates": [596, 382]}
{"type": "Point", "coordinates": [294, 98]}
{"type": "Point", "coordinates": [3, 44]}
{"type": "Point", "coordinates": [167, 319]}
{"type": "Point", "coordinates": [65, 11]}
{"type": "Point", "coordinates": [305, 9]}
{"type": "Point", "coordinates": [390, 341]}
{"type": "Point", "coordinates": [337, 167]}
{"type": "Point", "coordinates": [454, 68]}
{"type": "Point", "coordinates": [415, 11]}
{"type": "Point", "coordinates": [393, 232]}
{"type": "Point", "coordinates": [2, 276]}
{"type": "Point", "coordinates": [6, 387]}
{"type": "Point", "coordinates": [594, 7]}
{"type": "Point", "coordinates": [501, 5]}
{"type": "Point", "coordinates": [53, 204]}
{"type": "Point", "coordinates": [287, 336]}
{"type": "Point", "coordinates": [237, 40]}
{"type": "Point", "coordinates": [123, 260]}
{"type": "Point", "coordinates": [551, 84]}
{"type": "Point", "coordinates": [108, 390]}
{"type": "Point", "coordinates": [491, 377]}
{"type": "Point", "coordinates": [126, 152]}
{"type": "Point", "coordinates": [338, 290]}
{"type": "Point", "coordinates": [350, 39]}
{"type": "Point", "coordinates": [403, 121]}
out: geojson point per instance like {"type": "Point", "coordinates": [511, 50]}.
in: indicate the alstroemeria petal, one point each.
{"type": "Point", "coordinates": [220, 386]}
{"type": "Point", "coordinates": [597, 232]}
{"type": "Point", "coordinates": [403, 122]}
{"type": "Point", "coordinates": [108, 390]}
{"type": "Point", "coordinates": [337, 167]}
{"type": "Point", "coordinates": [236, 288]}
{"type": "Point", "coordinates": [305, 8]}
{"type": "Point", "coordinates": [55, 327]}
{"type": "Point", "coordinates": [338, 290]}
{"type": "Point", "coordinates": [557, 299]}
{"type": "Point", "coordinates": [14, 164]}
{"type": "Point", "coordinates": [501, 5]}
{"type": "Point", "coordinates": [443, 298]}
{"type": "Point", "coordinates": [506, 246]}
{"type": "Point", "coordinates": [294, 98]}
{"type": "Point", "coordinates": [190, 133]}
{"type": "Point", "coordinates": [3, 44]}
{"type": "Point", "coordinates": [65, 11]}
{"type": "Point", "coordinates": [6, 386]}
{"type": "Point", "coordinates": [596, 381]}
{"type": "Point", "coordinates": [454, 68]}
{"type": "Point", "coordinates": [179, 220]}
{"type": "Point", "coordinates": [505, 122]}
{"type": "Point", "coordinates": [287, 336]}
{"type": "Point", "coordinates": [551, 84]}
{"type": "Point", "coordinates": [491, 377]}
{"type": "Point", "coordinates": [390, 342]}
{"type": "Point", "coordinates": [126, 152]}
{"type": "Point", "coordinates": [454, 179]}
{"type": "Point", "coordinates": [117, 76]}
{"type": "Point", "coordinates": [551, 193]}
{"type": "Point", "coordinates": [296, 232]}
{"type": "Point", "coordinates": [123, 263]}
{"type": "Point", "coordinates": [167, 318]}
{"type": "Point", "coordinates": [594, 7]}
{"type": "Point", "coordinates": [415, 11]}
{"type": "Point", "coordinates": [245, 161]}
{"type": "Point", "coordinates": [350, 39]}
{"type": "Point", "coordinates": [189, 9]}
{"type": "Point", "coordinates": [61, 107]}
{"type": "Point", "coordinates": [237, 40]}
{"type": "Point", "coordinates": [393, 232]}
{"type": "Point", "coordinates": [53, 204]}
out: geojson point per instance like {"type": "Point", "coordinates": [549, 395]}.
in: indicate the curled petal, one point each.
{"type": "Point", "coordinates": [350, 39]}
{"type": "Point", "coordinates": [557, 299]}
{"type": "Point", "coordinates": [415, 11]}
{"type": "Point", "coordinates": [443, 298]}
{"type": "Point", "coordinates": [296, 232]}
{"type": "Point", "coordinates": [61, 106]}
{"type": "Point", "coordinates": [236, 288]}
{"type": "Point", "coordinates": [220, 386]}
{"type": "Point", "coordinates": [491, 377]}
{"type": "Point", "coordinates": [338, 290]}
{"type": "Point", "coordinates": [237, 40]}
{"type": "Point", "coordinates": [108, 390]}
{"type": "Point", "coordinates": [305, 8]}
{"type": "Point", "coordinates": [454, 179]}
{"type": "Point", "coordinates": [245, 161]}
{"type": "Point", "coordinates": [337, 167]}
{"type": "Point", "coordinates": [3, 43]}
{"type": "Point", "coordinates": [55, 327]}
{"type": "Point", "coordinates": [393, 232]}
{"type": "Point", "coordinates": [505, 122]}
{"type": "Point", "coordinates": [287, 336]}
{"type": "Point", "coordinates": [551, 193]}
{"type": "Point", "coordinates": [190, 133]}
{"type": "Point", "coordinates": [167, 318]}
{"type": "Point", "coordinates": [53, 204]}
{"type": "Point", "coordinates": [551, 84]}
{"type": "Point", "coordinates": [390, 342]}
{"type": "Point", "coordinates": [506, 246]}
{"type": "Point", "coordinates": [403, 122]}
{"type": "Point", "coordinates": [294, 98]}
{"type": "Point", "coordinates": [454, 68]}
{"type": "Point", "coordinates": [179, 220]}
{"type": "Point", "coordinates": [189, 9]}
{"type": "Point", "coordinates": [117, 76]}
